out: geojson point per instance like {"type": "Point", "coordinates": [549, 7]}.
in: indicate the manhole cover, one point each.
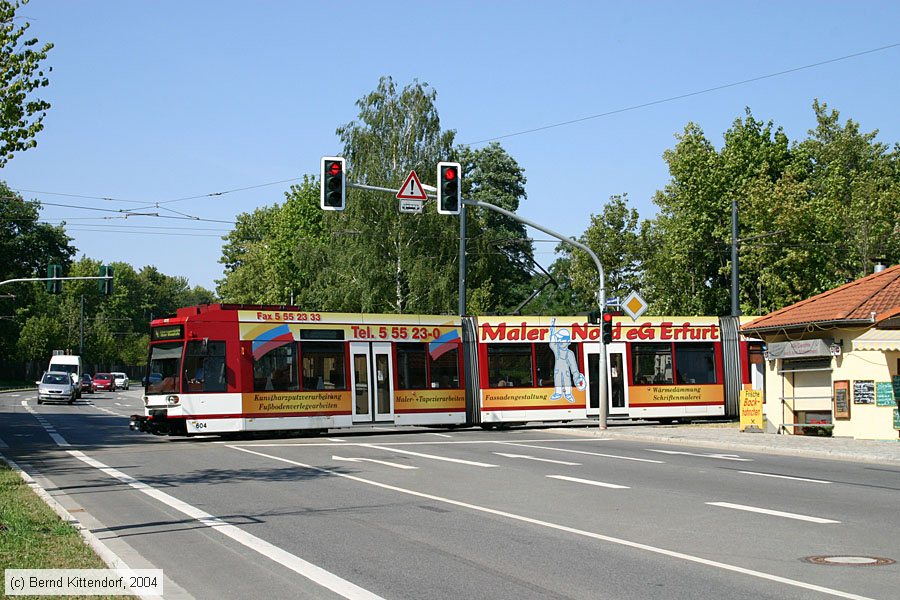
{"type": "Point", "coordinates": [850, 561]}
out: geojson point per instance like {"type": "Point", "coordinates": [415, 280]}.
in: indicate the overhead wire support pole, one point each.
{"type": "Point", "coordinates": [603, 402]}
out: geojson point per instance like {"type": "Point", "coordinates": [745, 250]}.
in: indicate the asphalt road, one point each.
{"type": "Point", "coordinates": [433, 514]}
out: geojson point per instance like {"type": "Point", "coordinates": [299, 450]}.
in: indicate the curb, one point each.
{"type": "Point", "coordinates": [798, 450]}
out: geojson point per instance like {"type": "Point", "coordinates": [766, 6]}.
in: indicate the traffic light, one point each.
{"type": "Point", "coordinates": [448, 188]}
{"type": "Point", "coordinates": [332, 182]}
{"type": "Point", "coordinates": [607, 328]}
{"type": "Point", "coordinates": [55, 285]}
{"type": "Point", "coordinates": [106, 285]}
{"type": "Point", "coordinates": [594, 317]}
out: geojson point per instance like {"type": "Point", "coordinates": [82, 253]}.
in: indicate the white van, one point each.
{"type": "Point", "coordinates": [68, 363]}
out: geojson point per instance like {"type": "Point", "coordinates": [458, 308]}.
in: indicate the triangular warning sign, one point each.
{"type": "Point", "coordinates": [412, 188]}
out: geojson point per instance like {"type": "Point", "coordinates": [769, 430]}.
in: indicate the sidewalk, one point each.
{"type": "Point", "coordinates": [728, 436]}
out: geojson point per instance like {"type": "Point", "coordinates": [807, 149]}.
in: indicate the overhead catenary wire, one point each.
{"type": "Point", "coordinates": [507, 135]}
{"type": "Point", "coordinates": [686, 95]}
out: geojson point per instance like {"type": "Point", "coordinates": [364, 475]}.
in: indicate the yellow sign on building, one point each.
{"type": "Point", "coordinates": [751, 409]}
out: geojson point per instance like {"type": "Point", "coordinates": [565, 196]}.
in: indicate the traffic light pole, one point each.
{"type": "Point", "coordinates": [603, 401]}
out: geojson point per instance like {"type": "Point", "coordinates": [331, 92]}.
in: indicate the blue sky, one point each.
{"type": "Point", "coordinates": [156, 101]}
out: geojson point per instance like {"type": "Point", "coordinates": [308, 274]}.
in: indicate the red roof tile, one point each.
{"type": "Point", "coordinates": [872, 298]}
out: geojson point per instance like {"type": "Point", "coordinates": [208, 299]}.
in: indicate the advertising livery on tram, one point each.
{"type": "Point", "coordinates": [223, 368]}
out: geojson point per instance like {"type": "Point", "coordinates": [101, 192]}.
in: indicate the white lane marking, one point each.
{"type": "Point", "coordinates": [784, 477]}
{"type": "Point", "coordinates": [312, 572]}
{"type": "Point", "coordinates": [419, 443]}
{"type": "Point", "coordinates": [613, 486]}
{"type": "Point", "coordinates": [722, 456]}
{"type": "Point", "coordinates": [316, 574]}
{"type": "Point", "coordinates": [572, 530]}
{"type": "Point", "coordinates": [335, 440]}
{"type": "Point", "coordinates": [372, 460]}
{"type": "Point", "coordinates": [440, 434]}
{"type": "Point", "coordinates": [432, 456]}
{"type": "Point", "coordinates": [547, 460]}
{"type": "Point", "coordinates": [775, 513]}
{"type": "Point", "coordinates": [58, 439]}
{"type": "Point", "coordinates": [648, 460]}
{"type": "Point", "coordinates": [118, 403]}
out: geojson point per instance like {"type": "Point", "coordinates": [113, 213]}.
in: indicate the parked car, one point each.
{"type": "Point", "coordinates": [105, 382]}
{"type": "Point", "coordinates": [56, 386]}
{"type": "Point", "coordinates": [87, 384]}
{"type": "Point", "coordinates": [121, 380]}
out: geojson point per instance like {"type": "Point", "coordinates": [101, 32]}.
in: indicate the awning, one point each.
{"type": "Point", "coordinates": [878, 339]}
{"type": "Point", "coordinates": [800, 349]}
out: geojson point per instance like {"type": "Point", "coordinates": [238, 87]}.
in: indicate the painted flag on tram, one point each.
{"type": "Point", "coordinates": [270, 339]}
{"type": "Point", "coordinates": [444, 344]}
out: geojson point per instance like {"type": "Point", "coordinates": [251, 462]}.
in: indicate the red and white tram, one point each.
{"type": "Point", "coordinates": [223, 368]}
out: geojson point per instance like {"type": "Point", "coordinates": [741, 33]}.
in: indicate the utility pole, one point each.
{"type": "Point", "coordinates": [735, 247]}
{"type": "Point", "coordinates": [462, 259]}
{"type": "Point", "coordinates": [735, 309]}
{"type": "Point", "coordinates": [81, 330]}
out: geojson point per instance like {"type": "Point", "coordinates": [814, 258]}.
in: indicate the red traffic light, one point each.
{"type": "Point", "coordinates": [607, 317]}
{"type": "Point", "coordinates": [449, 173]}
{"type": "Point", "coordinates": [334, 168]}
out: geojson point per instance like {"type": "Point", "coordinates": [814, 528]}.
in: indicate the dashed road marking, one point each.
{"type": "Point", "coordinates": [774, 513]}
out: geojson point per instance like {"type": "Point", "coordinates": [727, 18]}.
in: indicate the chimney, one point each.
{"type": "Point", "coordinates": [880, 265]}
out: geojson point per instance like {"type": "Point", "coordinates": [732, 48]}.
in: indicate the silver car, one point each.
{"type": "Point", "coordinates": [121, 380]}
{"type": "Point", "coordinates": [56, 386]}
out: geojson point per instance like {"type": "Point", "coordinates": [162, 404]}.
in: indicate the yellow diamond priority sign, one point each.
{"type": "Point", "coordinates": [634, 305]}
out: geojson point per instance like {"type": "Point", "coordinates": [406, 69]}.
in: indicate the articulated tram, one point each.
{"type": "Point", "coordinates": [228, 368]}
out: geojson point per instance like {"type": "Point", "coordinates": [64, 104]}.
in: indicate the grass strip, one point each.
{"type": "Point", "coordinates": [32, 536]}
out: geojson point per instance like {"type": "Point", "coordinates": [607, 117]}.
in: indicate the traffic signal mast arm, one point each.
{"type": "Point", "coordinates": [601, 293]}
{"type": "Point", "coordinates": [51, 279]}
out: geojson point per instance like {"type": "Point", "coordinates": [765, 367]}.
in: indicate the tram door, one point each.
{"type": "Point", "coordinates": [617, 386]}
{"type": "Point", "coordinates": [371, 382]}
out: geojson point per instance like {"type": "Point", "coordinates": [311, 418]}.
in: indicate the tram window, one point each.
{"type": "Point", "coordinates": [445, 370]}
{"type": "Point", "coordinates": [276, 370]}
{"type": "Point", "coordinates": [412, 372]}
{"type": "Point", "coordinates": [652, 364]}
{"type": "Point", "coordinates": [417, 370]}
{"type": "Point", "coordinates": [695, 363]}
{"type": "Point", "coordinates": [204, 366]}
{"type": "Point", "coordinates": [162, 374]}
{"type": "Point", "coordinates": [323, 366]}
{"type": "Point", "coordinates": [509, 365]}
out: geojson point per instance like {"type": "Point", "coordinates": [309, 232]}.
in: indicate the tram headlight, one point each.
{"type": "Point", "coordinates": [172, 400]}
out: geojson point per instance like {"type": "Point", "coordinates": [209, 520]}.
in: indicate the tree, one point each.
{"type": "Point", "coordinates": [40, 335]}
{"type": "Point", "coordinates": [500, 257]}
{"type": "Point", "coordinates": [245, 256]}
{"type": "Point", "coordinates": [27, 246]}
{"type": "Point", "coordinates": [687, 266]}
{"type": "Point", "coordinates": [614, 236]}
{"type": "Point", "coordinates": [21, 115]}
{"type": "Point", "coordinates": [380, 260]}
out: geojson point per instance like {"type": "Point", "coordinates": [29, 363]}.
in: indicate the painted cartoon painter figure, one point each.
{"type": "Point", "coordinates": [565, 370]}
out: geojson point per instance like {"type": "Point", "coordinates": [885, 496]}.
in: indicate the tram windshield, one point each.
{"type": "Point", "coordinates": [165, 363]}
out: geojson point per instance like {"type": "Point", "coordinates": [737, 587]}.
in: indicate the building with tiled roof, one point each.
{"type": "Point", "coordinates": [833, 360]}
